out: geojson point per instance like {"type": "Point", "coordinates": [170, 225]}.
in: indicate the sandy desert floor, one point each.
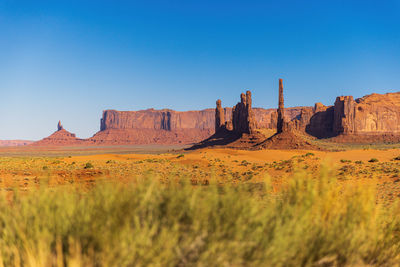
{"type": "Point", "coordinates": [26, 169]}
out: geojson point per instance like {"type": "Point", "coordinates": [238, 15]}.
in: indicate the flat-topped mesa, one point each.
{"type": "Point", "coordinates": [281, 109]}
{"type": "Point", "coordinates": [59, 126]}
{"type": "Point", "coordinates": [243, 120]}
{"type": "Point", "coordinates": [219, 116]}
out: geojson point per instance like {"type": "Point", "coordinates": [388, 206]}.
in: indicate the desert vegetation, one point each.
{"type": "Point", "coordinates": [204, 208]}
{"type": "Point", "coordinates": [310, 221]}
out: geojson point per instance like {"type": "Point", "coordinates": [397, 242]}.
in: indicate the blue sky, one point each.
{"type": "Point", "coordinates": [69, 60]}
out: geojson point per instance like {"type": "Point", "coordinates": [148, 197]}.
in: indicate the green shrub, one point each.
{"type": "Point", "coordinates": [88, 166]}
{"type": "Point", "coordinates": [373, 160]}
{"type": "Point", "coordinates": [180, 156]}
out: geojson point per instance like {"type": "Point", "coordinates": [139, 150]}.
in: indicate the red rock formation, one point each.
{"type": "Point", "coordinates": [320, 124]}
{"type": "Point", "coordinates": [281, 109]}
{"type": "Point", "coordinates": [373, 114]}
{"type": "Point", "coordinates": [251, 121]}
{"type": "Point", "coordinates": [243, 119]}
{"type": "Point", "coordinates": [219, 116]}
{"type": "Point", "coordinates": [344, 115]}
{"type": "Point", "coordinates": [60, 138]}
{"type": "Point", "coordinates": [158, 119]}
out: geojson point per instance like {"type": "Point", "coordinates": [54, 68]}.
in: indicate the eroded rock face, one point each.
{"type": "Point", "coordinates": [158, 119]}
{"type": "Point", "coordinates": [320, 124]}
{"type": "Point", "coordinates": [344, 115]}
{"type": "Point", "coordinates": [370, 115]}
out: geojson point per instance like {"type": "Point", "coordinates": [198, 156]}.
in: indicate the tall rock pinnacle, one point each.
{"type": "Point", "coordinates": [219, 116]}
{"type": "Point", "coordinates": [281, 108]}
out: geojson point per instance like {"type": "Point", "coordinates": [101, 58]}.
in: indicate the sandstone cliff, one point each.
{"type": "Point", "coordinates": [158, 119]}
{"type": "Point", "coordinates": [371, 114]}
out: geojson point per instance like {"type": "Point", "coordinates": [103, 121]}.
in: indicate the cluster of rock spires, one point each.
{"type": "Point", "coordinates": [241, 131]}
{"type": "Point", "coordinates": [373, 118]}
{"type": "Point", "coordinates": [242, 120]}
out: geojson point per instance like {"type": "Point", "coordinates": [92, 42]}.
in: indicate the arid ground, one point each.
{"type": "Point", "coordinates": [26, 168]}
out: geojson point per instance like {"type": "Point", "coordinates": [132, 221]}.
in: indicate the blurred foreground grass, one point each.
{"type": "Point", "coordinates": [313, 221]}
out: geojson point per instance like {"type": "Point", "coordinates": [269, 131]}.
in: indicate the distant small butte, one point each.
{"type": "Point", "coordinates": [372, 118]}
{"type": "Point", "coordinates": [6, 143]}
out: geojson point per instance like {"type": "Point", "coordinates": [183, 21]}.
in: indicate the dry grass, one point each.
{"type": "Point", "coordinates": [312, 221]}
{"type": "Point", "coordinates": [205, 208]}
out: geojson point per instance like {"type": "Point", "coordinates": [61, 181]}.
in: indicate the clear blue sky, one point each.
{"type": "Point", "coordinates": [69, 60]}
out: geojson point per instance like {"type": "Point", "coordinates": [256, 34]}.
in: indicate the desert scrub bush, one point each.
{"type": "Point", "coordinates": [373, 160]}
{"type": "Point", "coordinates": [312, 220]}
{"type": "Point", "coordinates": [88, 165]}
{"type": "Point", "coordinates": [345, 161]}
{"type": "Point", "coordinates": [244, 163]}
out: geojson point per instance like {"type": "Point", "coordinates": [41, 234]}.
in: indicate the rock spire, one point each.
{"type": "Point", "coordinates": [59, 126]}
{"type": "Point", "coordinates": [281, 109]}
{"type": "Point", "coordinates": [219, 116]}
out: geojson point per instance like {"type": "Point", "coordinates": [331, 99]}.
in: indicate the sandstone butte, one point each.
{"type": "Point", "coordinates": [372, 118]}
